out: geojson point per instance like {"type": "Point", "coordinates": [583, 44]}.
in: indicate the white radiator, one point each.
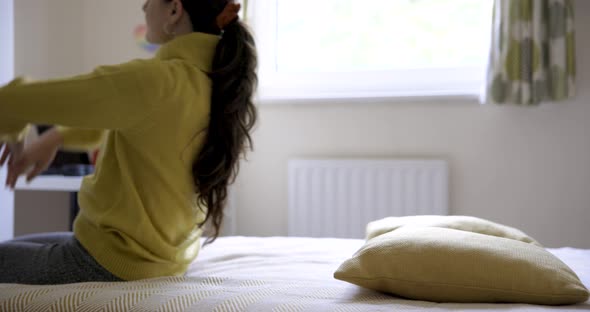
{"type": "Point", "coordinates": [337, 198]}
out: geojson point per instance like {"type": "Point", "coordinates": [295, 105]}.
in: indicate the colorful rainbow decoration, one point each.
{"type": "Point", "coordinates": [139, 34]}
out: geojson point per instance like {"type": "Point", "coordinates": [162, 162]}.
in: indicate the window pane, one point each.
{"type": "Point", "coordinates": [358, 35]}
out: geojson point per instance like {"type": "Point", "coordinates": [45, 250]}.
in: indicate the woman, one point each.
{"type": "Point", "coordinates": [172, 128]}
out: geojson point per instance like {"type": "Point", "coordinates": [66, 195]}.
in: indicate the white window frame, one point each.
{"type": "Point", "coordinates": [276, 87]}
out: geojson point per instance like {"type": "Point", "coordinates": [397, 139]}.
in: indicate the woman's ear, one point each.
{"type": "Point", "coordinates": [174, 12]}
{"type": "Point", "coordinates": [177, 8]}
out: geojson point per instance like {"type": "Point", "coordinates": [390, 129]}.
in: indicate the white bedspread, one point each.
{"type": "Point", "coordinates": [255, 274]}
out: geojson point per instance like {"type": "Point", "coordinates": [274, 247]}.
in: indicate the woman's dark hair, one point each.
{"type": "Point", "coordinates": [233, 113]}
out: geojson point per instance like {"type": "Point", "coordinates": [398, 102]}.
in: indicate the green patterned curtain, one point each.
{"type": "Point", "coordinates": [532, 56]}
{"type": "Point", "coordinates": [244, 12]}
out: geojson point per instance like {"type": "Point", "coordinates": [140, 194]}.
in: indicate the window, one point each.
{"type": "Point", "coordinates": [371, 48]}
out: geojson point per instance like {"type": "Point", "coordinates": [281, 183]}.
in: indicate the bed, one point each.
{"type": "Point", "coordinates": [256, 274]}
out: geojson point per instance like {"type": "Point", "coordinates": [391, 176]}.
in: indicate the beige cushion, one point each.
{"type": "Point", "coordinates": [465, 223]}
{"type": "Point", "coordinates": [448, 265]}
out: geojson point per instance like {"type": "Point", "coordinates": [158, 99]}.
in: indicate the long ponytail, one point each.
{"type": "Point", "coordinates": [233, 113]}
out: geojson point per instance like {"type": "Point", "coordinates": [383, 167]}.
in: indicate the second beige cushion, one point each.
{"type": "Point", "coordinates": [464, 223]}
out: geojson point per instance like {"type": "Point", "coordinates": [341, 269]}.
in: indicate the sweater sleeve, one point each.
{"type": "Point", "coordinates": [15, 131]}
{"type": "Point", "coordinates": [111, 97]}
{"type": "Point", "coordinates": [81, 139]}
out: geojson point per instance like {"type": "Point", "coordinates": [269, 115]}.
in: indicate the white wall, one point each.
{"type": "Point", "coordinates": [60, 38]}
{"type": "Point", "coordinates": [524, 167]}
{"type": "Point", "coordinates": [48, 36]}
{"type": "Point", "coordinates": [6, 74]}
{"type": "Point", "coordinates": [108, 36]}
{"type": "Point", "coordinates": [6, 41]}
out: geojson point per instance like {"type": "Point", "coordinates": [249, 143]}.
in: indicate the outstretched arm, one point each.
{"type": "Point", "coordinates": [111, 97]}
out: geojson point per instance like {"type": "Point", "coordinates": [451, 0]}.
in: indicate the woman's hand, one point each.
{"type": "Point", "coordinates": [38, 156]}
{"type": "Point", "coordinates": [10, 151]}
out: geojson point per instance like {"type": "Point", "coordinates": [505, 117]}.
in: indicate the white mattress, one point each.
{"type": "Point", "coordinates": [255, 274]}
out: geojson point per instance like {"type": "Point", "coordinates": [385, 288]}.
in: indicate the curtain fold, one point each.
{"type": "Point", "coordinates": [532, 55]}
{"type": "Point", "coordinates": [244, 13]}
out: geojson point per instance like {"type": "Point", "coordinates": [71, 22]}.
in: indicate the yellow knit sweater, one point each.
{"type": "Point", "coordinates": [138, 215]}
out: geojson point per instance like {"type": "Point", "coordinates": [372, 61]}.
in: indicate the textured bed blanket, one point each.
{"type": "Point", "coordinates": [255, 274]}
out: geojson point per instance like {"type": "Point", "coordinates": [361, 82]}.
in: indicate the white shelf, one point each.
{"type": "Point", "coordinates": [56, 183]}
{"type": "Point", "coordinates": [50, 183]}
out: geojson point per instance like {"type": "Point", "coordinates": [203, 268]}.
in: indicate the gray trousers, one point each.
{"type": "Point", "coordinates": [49, 259]}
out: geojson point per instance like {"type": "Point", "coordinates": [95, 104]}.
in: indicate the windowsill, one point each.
{"type": "Point", "coordinates": [443, 98]}
{"type": "Point", "coordinates": [461, 84]}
